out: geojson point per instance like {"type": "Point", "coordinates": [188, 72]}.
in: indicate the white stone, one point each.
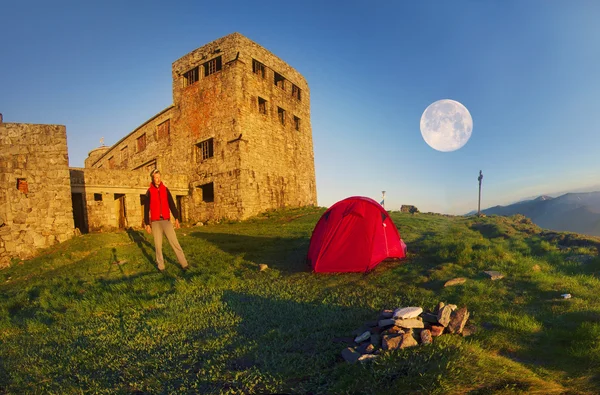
{"type": "Point", "coordinates": [407, 312]}
{"type": "Point", "coordinates": [363, 337]}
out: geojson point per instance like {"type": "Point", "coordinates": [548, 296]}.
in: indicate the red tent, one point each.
{"type": "Point", "coordinates": [354, 235]}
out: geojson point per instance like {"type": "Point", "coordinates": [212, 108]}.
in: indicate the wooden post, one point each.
{"type": "Point", "coordinates": [479, 202]}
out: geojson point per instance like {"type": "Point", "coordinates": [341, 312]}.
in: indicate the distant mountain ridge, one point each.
{"type": "Point", "coordinates": [571, 212]}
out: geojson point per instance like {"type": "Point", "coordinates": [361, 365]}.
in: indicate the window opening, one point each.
{"type": "Point", "coordinates": [208, 192]}
{"type": "Point", "coordinates": [204, 150]}
{"type": "Point", "coordinates": [258, 68]}
{"type": "Point", "coordinates": [191, 77]}
{"type": "Point", "coordinates": [296, 92]}
{"type": "Point", "coordinates": [279, 80]}
{"type": "Point", "coordinates": [281, 115]}
{"type": "Point", "coordinates": [212, 66]}
{"type": "Point", "coordinates": [262, 105]}
{"type": "Point", "coordinates": [22, 185]}
{"type": "Point", "coordinates": [164, 130]}
{"type": "Point", "coordinates": [141, 143]}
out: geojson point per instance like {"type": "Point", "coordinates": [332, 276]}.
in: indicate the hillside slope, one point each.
{"type": "Point", "coordinates": [94, 315]}
{"type": "Point", "coordinates": [573, 212]}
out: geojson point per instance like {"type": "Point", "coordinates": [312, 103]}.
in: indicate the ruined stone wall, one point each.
{"type": "Point", "coordinates": [35, 196]}
{"type": "Point", "coordinates": [114, 198]}
{"type": "Point", "coordinates": [280, 160]}
{"type": "Point", "coordinates": [140, 149]}
{"type": "Point", "coordinates": [256, 163]}
{"type": "Point", "coordinates": [209, 109]}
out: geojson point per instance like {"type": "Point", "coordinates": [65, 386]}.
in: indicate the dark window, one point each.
{"type": "Point", "coordinates": [212, 66]}
{"type": "Point", "coordinates": [164, 130]}
{"type": "Point", "coordinates": [279, 80]}
{"type": "Point", "coordinates": [97, 197]}
{"type": "Point", "coordinates": [296, 92]}
{"type": "Point", "coordinates": [258, 68]}
{"type": "Point", "coordinates": [141, 143]}
{"type": "Point", "coordinates": [124, 154]}
{"type": "Point", "coordinates": [111, 162]}
{"type": "Point", "coordinates": [190, 77]}
{"type": "Point", "coordinates": [22, 185]}
{"type": "Point", "coordinates": [281, 115]}
{"type": "Point", "coordinates": [208, 192]}
{"type": "Point", "coordinates": [296, 123]}
{"type": "Point", "coordinates": [262, 105]}
{"type": "Point", "coordinates": [204, 150]}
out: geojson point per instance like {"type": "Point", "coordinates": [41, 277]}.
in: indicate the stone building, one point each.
{"type": "Point", "coordinates": [236, 141]}
{"type": "Point", "coordinates": [35, 193]}
{"type": "Point", "coordinates": [239, 129]}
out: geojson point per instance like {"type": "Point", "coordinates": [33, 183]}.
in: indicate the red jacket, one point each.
{"type": "Point", "coordinates": [159, 204]}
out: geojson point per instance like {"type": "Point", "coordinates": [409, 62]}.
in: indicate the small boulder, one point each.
{"type": "Point", "coordinates": [391, 342]}
{"type": "Point", "coordinates": [367, 357]}
{"type": "Point", "coordinates": [455, 281]}
{"type": "Point", "coordinates": [458, 320]}
{"type": "Point", "coordinates": [387, 322]}
{"type": "Point", "coordinates": [365, 348]}
{"type": "Point", "coordinates": [437, 330]}
{"type": "Point", "coordinates": [408, 341]}
{"type": "Point", "coordinates": [444, 315]}
{"type": "Point", "coordinates": [387, 314]}
{"type": "Point", "coordinates": [350, 355]}
{"type": "Point", "coordinates": [407, 312]}
{"type": "Point", "coordinates": [410, 323]}
{"type": "Point", "coordinates": [364, 336]}
{"type": "Point", "coordinates": [430, 317]}
{"type": "Point", "coordinates": [426, 337]}
{"type": "Point", "coordinates": [494, 275]}
{"type": "Point", "coordinates": [262, 267]}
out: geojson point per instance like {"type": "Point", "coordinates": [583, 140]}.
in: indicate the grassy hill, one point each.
{"type": "Point", "coordinates": [94, 315]}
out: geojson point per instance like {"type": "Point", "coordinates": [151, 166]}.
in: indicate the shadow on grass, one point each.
{"type": "Point", "coordinates": [286, 339]}
{"type": "Point", "coordinates": [281, 253]}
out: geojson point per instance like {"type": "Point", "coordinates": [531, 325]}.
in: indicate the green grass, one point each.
{"type": "Point", "coordinates": [72, 321]}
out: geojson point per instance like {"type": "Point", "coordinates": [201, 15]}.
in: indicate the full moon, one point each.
{"type": "Point", "coordinates": [446, 125]}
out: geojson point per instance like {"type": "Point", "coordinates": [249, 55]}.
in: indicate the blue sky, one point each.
{"type": "Point", "coordinates": [528, 71]}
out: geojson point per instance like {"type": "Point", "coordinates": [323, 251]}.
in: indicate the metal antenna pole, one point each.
{"type": "Point", "coordinates": [479, 202]}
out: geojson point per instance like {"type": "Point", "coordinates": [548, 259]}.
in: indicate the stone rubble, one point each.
{"type": "Point", "coordinates": [405, 327]}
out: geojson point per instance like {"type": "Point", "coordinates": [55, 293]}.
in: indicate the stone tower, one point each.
{"type": "Point", "coordinates": [239, 128]}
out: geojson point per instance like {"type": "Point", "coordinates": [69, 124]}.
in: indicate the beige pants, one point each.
{"type": "Point", "coordinates": [166, 227]}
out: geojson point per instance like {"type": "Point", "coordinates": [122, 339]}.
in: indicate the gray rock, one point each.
{"type": "Point", "coordinates": [407, 312]}
{"type": "Point", "coordinates": [376, 340]}
{"type": "Point", "coordinates": [430, 317]}
{"type": "Point", "coordinates": [364, 336]}
{"type": "Point", "coordinates": [439, 307]}
{"type": "Point", "coordinates": [387, 322]}
{"type": "Point", "coordinates": [455, 281]}
{"type": "Point", "coordinates": [444, 315]}
{"type": "Point", "coordinates": [350, 355]}
{"type": "Point", "coordinates": [391, 342]}
{"type": "Point", "coordinates": [494, 275]}
{"type": "Point", "coordinates": [367, 357]}
{"type": "Point", "coordinates": [458, 320]}
{"type": "Point", "coordinates": [387, 314]}
{"type": "Point", "coordinates": [410, 323]}
{"type": "Point", "coordinates": [365, 348]}
{"type": "Point", "coordinates": [426, 337]}
{"type": "Point", "coordinates": [408, 341]}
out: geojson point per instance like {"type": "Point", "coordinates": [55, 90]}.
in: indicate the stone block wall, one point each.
{"type": "Point", "coordinates": [35, 195]}
{"type": "Point", "coordinates": [259, 158]}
